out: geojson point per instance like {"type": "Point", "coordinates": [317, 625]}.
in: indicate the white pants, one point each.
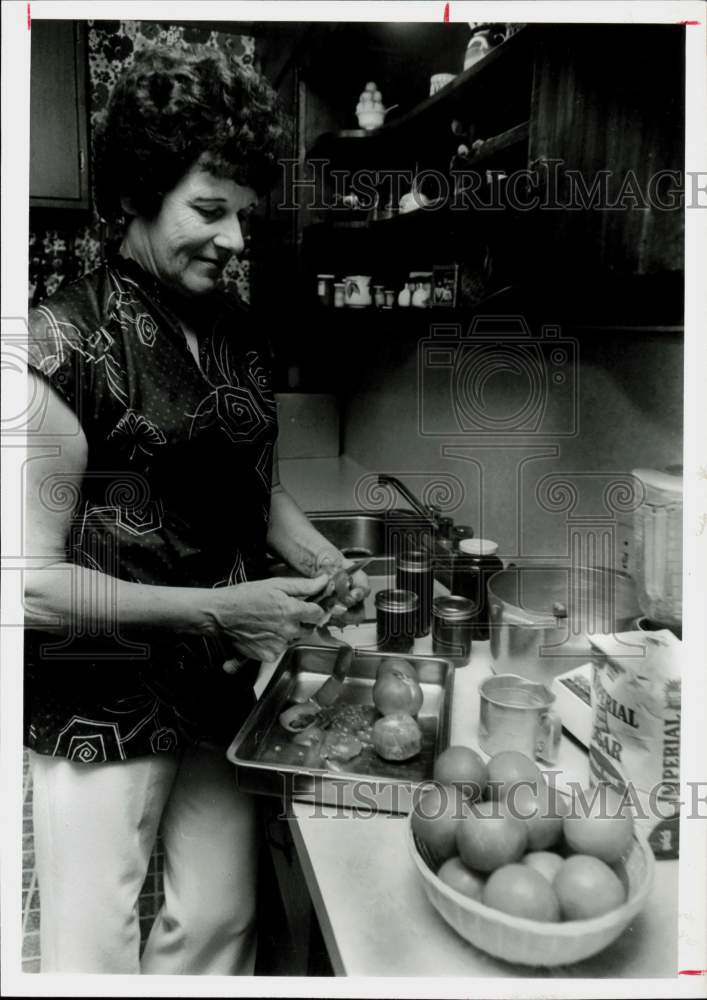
{"type": "Point", "coordinates": [95, 827]}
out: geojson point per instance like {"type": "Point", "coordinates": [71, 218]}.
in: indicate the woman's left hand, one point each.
{"type": "Point", "coordinates": [346, 591]}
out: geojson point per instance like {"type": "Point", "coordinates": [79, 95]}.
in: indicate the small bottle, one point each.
{"type": "Point", "coordinates": [325, 290]}
{"type": "Point", "coordinates": [339, 295]}
{"type": "Point", "coordinates": [451, 628]}
{"type": "Point", "coordinates": [396, 612]}
{"type": "Point", "coordinates": [414, 573]}
{"type": "Point", "coordinates": [405, 294]}
{"type": "Point", "coordinates": [378, 296]}
{"type": "Point", "coordinates": [475, 563]}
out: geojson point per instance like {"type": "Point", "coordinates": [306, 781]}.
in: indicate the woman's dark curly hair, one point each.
{"type": "Point", "coordinates": [171, 109]}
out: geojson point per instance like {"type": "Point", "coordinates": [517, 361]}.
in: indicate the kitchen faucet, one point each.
{"type": "Point", "coordinates": [428, 511]}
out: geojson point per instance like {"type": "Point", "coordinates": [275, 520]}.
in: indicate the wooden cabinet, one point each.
{"type": "Point", "coordinates": [582, 126]}
{"type": "Point", "coordinates": [607, 146]}
{"type": "Point", "coordinates": [59, 152]}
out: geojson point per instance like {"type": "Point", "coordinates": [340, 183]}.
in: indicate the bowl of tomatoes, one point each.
{"type": "Point", "coordinates": [522, 872]}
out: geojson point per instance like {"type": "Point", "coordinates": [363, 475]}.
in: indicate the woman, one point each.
{"type": "Point", "coordinates": [149, 514]}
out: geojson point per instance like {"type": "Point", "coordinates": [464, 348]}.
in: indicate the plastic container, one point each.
{"type": "Point", "coordinates": [396, 612]}
{"type": "Point", "coordinates": [657, 528]}
{"type": "Point", "coordinates": [476, 561]}
{"type": "Point", "coordinates": [451, 629]}
{"type": "Point", "coordinates": [413, 572]}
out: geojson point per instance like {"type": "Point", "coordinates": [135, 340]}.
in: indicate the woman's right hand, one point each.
{"type": "Point", "coordinates": [262, 618]}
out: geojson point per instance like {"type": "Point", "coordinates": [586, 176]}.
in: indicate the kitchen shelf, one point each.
{"type": "Point", "coordinates": [440, 210]}
{"type": "Point", "coordinates": [500, 72]}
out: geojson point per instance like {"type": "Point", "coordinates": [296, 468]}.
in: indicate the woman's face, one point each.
{"type": "Point", "coordinates": [198, 228]}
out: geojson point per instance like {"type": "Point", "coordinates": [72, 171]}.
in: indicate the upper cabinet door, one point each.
{"type": "Point", "coordinates": [59, 154]}
{"type": "Point", "coordinates": [607, 143]}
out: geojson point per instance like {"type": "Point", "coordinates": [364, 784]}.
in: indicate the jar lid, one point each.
{"type": "Point", "coordinates": [397, 600]}
{"type": "Point", "coordinates": [326, 276]}
{"type": "Point", "coordinates": [453, 609]}
{"type": "Point", "coordinates": [414, 559]}
{"type": "Point", "coordinates": [478, 546]}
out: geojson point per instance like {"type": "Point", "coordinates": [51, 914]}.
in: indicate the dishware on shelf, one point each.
{"type": "Point", "coordinates": [517, 714]}
{"type": "Point", "coordinates": [439, 80]}
{"type": "Point", "coordinates": [357, 290]}
{"type": "Point", "coordinates": [657, 526]}
{"type": "Point", "coordinates": [535, 942]}
{"type": "Point", "coordinates": [339, 295]}
{"type": "Point", "coordinates": [484, 37]}
{"type": "Point", "coordinates": [422, 294]}
{"type": "Point", "coordinates": [325, 289]}
{"type": "Point", "coordinates": [369, 110]}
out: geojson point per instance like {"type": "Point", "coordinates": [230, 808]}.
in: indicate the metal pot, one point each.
{"type": "Point", "coordinates": [540, 616]}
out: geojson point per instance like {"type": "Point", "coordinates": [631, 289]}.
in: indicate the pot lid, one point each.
{"type": "Point", "coordinates": [584, 595]}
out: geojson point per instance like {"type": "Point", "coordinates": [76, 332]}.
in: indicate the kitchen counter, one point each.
{"type": "Point", "coordinates": [374, 915]}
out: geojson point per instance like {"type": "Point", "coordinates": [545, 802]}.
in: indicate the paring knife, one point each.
{"type": "Point", "coordinates": [331, 688]}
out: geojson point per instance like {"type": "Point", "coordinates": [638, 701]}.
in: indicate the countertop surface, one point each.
{"type": "Point", "coordinates": [374, 915]}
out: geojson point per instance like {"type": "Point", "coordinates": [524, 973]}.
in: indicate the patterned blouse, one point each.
{"type": "Point", "coordinates": [176, 492]}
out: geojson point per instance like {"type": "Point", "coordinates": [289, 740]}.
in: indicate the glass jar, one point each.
{"type": "Point", "coordinates": [325, 290]}
{"type": "Point", "coordinates": [413, 572]}
{"type": "Point", "coordinates": [475, 563]}
{"type": "Point", "coordinates": [657, 526]}
{"type": "Point", "coordinates": [451, 628]}
{"type": "Point", "coordinates": [396, 612]}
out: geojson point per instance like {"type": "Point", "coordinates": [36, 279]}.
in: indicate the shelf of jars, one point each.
{"type": "Point", "coordinates": [493, 93]}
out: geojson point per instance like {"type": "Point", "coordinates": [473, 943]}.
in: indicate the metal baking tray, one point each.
{"type": "Point", "coordinates": [268, 763]}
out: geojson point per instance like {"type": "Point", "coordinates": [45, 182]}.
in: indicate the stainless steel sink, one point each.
{"type": "Point", "coordinates": [356, 535]}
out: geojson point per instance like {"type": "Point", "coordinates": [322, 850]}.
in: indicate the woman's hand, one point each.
{"type": "Point", "coordinates": [262, 618]}
{"type": "Point", "coordinates": [346, 590]}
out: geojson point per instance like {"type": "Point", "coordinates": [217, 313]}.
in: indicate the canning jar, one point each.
{"type": "Point", "coordinates": [451, 628]}
{"type": "Point", "coordinates": [413, 572]}
{"type": "Point", "coordinates": [395, 620]}
{"type": "Point", "coordinates": [475, 563]}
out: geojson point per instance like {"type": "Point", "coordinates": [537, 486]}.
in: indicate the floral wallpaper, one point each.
{"type": "Point", "coordinates": [58, 255]}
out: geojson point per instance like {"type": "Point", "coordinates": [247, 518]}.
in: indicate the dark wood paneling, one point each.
{"type": "Point", "coordinates": [611, 99]}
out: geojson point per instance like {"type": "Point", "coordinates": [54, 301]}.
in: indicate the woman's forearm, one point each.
{"type": "Point", "coordinates": [293, 537]}
{"type": "Point", "coordinates": [63, 597]}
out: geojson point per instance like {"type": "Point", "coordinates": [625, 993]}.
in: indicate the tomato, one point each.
{"type": "Point", "coordinates": [396, 737]}
{"type": "Point", "coordinates": [547, 863]}
{"type": "Point", "coordinates": [436, 816]}
{"type": "Point", "coordinates": [398, 665]}
{"type": "Point", "coordinates": [542, 813]}
{"type": "Point", "coordinates": [464, 768]}
{"type": "Point", "coordinates": [523, 892]}
{"type": "Point", "coordinates": [489, 838]}
{"type": "Point", "coordinates": [605, 831]}
{"type": "Point", "coordinates": [456, 875]}
{"type": "Point", "coordinates": [507, 768]}
{"type": "Point", "coordinates": [395, 692]}
{"type": "Point", "coordinates": [586, 887]}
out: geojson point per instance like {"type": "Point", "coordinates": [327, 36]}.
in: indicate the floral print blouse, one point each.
{"type": "Point", "coordinates": [176, 492]}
